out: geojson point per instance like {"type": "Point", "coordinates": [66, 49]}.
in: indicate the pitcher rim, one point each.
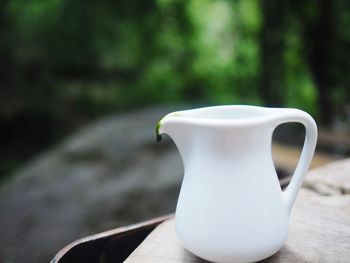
{"type": "Point", "coordinates": [262, 114]}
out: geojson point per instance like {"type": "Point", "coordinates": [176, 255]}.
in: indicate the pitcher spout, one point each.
{"type": "Point", "coordinates": [180, 130]}
{"type": "Point", "coordinates": [166, 125]}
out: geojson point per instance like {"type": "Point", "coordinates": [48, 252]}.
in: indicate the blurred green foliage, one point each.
{"type": "Point", "coordinates": [66, 61]}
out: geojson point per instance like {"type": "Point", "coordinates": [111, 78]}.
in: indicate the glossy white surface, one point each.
{"type": "Point", "coordinates": [231, 207]}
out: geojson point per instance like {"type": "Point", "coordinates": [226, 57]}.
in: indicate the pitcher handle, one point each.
{"type": "Point", "coordinates": [295, 115]}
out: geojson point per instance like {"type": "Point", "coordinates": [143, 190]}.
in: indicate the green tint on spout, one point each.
{"type": "Point", "coordinates": [159, 136]}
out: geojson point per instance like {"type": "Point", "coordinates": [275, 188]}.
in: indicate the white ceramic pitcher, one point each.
{"type": "Point", "coordinates": [231, 207]}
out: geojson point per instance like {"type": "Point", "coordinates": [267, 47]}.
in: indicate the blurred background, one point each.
{"type": "Point", "coordinates": [83, 83]}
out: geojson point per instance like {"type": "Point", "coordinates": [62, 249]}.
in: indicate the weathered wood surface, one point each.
{"type": "Point", "coordinates": [319, 225]}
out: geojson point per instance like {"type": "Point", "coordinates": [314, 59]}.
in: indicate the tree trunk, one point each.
{"type": "Point", "coordinates": [272, 45]}
{"type": "Point", "coordinates": [320, 37]}
{"type": "Point", "coordinates": [5, 54]}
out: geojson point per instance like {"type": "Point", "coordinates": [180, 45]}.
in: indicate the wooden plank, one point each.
{"type": "Point", "coordinates": [162, 246]}
{"type": "Point", "coordinates": [319, 225]}
{"type": "Point", "coordinates": [110, 246]}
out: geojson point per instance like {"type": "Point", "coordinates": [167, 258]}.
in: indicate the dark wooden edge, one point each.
{"type": "Point", "coordinates": [110, 246]}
